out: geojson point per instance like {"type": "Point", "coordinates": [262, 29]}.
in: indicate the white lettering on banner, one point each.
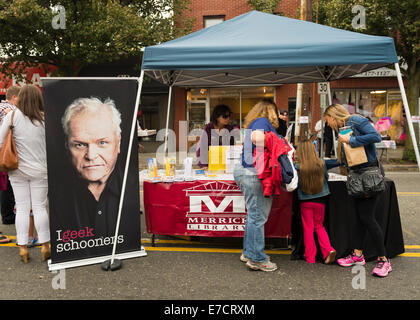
{"type": "Point", "coordinates": [19, 83]}
{"type": "Point", "coordinates": [224, 207]}
{"type": "Point", "coordinates": [216, 227]}
{"type": "Point", "coordinates": [35, 80]}
{"type": "Point", "coordinates": [238, 203]}
{"type": "Point", "coordinates": [218, 220]}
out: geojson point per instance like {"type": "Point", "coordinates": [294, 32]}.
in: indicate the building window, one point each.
{"type": "Point", "coordinates": [202, 101]}
{"type": "Point", "coordinates": [209, 21]}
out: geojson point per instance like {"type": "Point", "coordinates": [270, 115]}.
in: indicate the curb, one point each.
{"type": "Point", "coordinates": [401, 167]}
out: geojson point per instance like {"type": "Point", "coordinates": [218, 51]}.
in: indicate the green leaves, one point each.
{"type": "Point", "coordinates": [95, 31]}
{"type": "Point", "coordinates": [393, 18]}
{"type": "Point", "coordinates": [268, 6]}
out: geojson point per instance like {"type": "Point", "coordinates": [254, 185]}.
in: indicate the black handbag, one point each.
{"type": "Point", "coordinates": [366, 182]}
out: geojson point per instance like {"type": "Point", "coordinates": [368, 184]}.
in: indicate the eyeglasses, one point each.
{"type": "Point", "coordinates": [225, 116]}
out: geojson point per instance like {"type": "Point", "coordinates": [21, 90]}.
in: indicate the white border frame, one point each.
{"type": "Point", "coordinates": [142, 252]}
{"type": "Point", "coordinates": [96, 260]}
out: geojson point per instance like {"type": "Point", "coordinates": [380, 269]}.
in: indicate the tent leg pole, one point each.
{"type": "Point", "coordinates": [333, 131]}
{"type": "Point", "coordinates": [167, 118]}
{"type": "Point", "coordinates": [240, 114]}
{"type": "Point", "coordinates": [127, 163]}
{"type": "Point", "coordinates": [298, 112]}
{"type": "Point", "coordinates": [407, 113]}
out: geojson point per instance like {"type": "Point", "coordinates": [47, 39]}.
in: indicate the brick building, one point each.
{"type": "Point", "coordinates": [374, 93]}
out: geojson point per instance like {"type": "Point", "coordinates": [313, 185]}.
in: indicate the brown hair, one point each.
{"type": "Point", "coordinates": [263, 109]}
{"type": "Point", "coordinates": [12, 91]}
{"type": "Point", "coordinates": [31, 103]}
{"type": "Point", "coordinates": [311, 167]}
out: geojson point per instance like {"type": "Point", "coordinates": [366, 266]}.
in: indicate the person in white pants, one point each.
{"type": "Point", "coordinates": [29, 180]}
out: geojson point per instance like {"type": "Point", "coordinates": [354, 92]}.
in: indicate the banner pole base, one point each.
{"type": "Point", "coordinates": [90, 261]}
{"type": "Point", "coordinates": [115, 265]}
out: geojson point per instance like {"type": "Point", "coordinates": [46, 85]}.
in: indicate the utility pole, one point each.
{"type": "Point", "coordinates": [302, 100]}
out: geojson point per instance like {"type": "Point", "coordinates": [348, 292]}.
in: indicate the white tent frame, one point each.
{"type": "Point", "coordinates": [259, 77]}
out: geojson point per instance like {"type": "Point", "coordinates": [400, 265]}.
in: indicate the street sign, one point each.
{"type": "Point", "coordinates": [415, 119]}
{"type": "Point", "coordinates": [304, 119]}
{"type": "Point", "coordinates": [322, 87]}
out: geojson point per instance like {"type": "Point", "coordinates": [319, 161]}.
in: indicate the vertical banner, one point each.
{"type": "Point", "coordinates": [87, 128]}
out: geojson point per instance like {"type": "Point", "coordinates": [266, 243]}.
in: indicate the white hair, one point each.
{"type": "Point", "coordinates": [93, 105]}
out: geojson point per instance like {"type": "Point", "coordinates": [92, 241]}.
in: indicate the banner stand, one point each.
{"type": "Point", "coordinates": [97, 260]}
{"type": "Point", "coordinates": [112, 264]}
{"type": "Point", "coordinates": [127, 255]}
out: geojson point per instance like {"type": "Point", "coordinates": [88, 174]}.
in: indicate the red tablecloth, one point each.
{"type": "Point", "coordinates": [212, 208]}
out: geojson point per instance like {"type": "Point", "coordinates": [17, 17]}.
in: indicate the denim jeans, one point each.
{"type": "Point", "coordinates": [258, 208]}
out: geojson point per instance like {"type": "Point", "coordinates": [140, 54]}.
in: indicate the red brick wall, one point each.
{"type": "Point", "coordinates": [231, 9]}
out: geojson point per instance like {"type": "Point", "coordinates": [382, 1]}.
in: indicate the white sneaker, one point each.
{"type": "Point", "coordinates": [266, 266]}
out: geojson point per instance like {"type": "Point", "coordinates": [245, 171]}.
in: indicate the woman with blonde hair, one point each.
{"type": "Point", "coordinates": [362, 134]}
{"type": "Point", "coordinates": [29, 180]}
{"type": "Point", "coordinates": [262, 118]}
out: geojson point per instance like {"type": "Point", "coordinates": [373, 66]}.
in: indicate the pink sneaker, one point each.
{"type": "Point", "coordinates": [382, 269]}
{"type": "Point", "coordinates": [351, 260]}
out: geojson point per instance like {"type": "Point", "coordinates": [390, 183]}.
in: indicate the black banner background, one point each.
{"type": "Point", "coordinates": [77, 230]}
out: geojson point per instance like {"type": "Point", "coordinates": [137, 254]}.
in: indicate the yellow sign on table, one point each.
{"type": "Point", "coordinates": [217, 158]}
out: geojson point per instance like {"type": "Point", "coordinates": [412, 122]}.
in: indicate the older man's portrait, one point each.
{"type": "Point", "coordinates": [88, 126]}
{"type": "Point", "coordinates": [93, 138]}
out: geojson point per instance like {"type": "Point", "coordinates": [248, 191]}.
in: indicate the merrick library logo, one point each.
{"type": "Point", "coordinates": [216, 206]}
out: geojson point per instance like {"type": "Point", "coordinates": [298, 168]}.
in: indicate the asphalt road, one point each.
{"type": "Point", "coordinates": [177, 273]}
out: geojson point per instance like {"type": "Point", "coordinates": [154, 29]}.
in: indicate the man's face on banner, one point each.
{"type": "Point", "coordinates": [94, 144]}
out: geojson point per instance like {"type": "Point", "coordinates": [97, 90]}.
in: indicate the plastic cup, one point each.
{"type": "Point", "coordinates": [345, 130]}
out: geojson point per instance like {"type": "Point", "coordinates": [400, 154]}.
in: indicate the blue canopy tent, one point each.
{"type": "Point", "coordinates": [256, 49]}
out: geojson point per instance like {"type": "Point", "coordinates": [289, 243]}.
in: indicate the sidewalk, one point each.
{"type": "Point", "coordinates": [394, 156]}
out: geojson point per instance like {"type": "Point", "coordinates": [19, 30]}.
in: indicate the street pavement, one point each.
{"type": "Point", "coordinates": [209, 269]}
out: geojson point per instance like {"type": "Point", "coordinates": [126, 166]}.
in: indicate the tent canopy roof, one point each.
{"type": "Point", "coordinates": [258, 48]}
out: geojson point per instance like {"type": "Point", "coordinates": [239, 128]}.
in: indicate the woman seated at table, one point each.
{"type": "Point", "coordinates": [216, 133]}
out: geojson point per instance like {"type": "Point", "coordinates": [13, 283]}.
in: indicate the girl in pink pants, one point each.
{"type": "Point", "coordinates": [312, 191]}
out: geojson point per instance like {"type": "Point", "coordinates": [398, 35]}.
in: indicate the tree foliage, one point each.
{"type": "Point", "coordinates": [268, 6]}
{"type": "Point", "coordinates": [393, 18]}
{"type": "Point", "coordinates": [95, 31]}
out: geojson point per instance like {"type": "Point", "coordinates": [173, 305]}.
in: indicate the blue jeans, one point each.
{"type": "Point", "coordinates": [258, 208]}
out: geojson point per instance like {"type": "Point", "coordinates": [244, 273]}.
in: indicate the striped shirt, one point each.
{"type": "Point", "coordinates": [4, 105]}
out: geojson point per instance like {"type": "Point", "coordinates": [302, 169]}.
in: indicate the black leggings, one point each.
{"type": "Point", "coordinates": [365, 211]}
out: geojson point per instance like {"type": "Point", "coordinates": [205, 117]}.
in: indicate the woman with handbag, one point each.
{"type": "Point", "coordinates": [29, 179]}
{"type": "Point", "coordinates": [362, 134]}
